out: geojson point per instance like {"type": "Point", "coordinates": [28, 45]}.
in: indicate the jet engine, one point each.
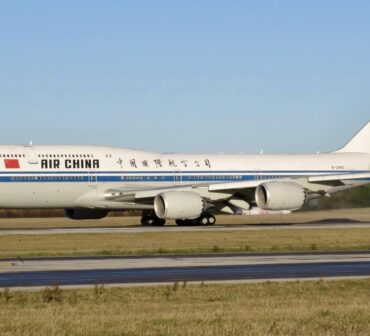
{"type": "Point", "coordinates": [280, 196]}
{"type": "Point", "coordinates": [179, 205]}
{"type": "Point", "coordinates": [80, 214]}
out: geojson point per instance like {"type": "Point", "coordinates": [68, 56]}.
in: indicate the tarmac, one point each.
{"type": "Point", "coordinates": [144, 270]}
{"type": "Point", "coordinates": [172, 228]}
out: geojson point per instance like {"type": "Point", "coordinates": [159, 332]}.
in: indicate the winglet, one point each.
{"type": "Point", "coordinates": [360, 143]}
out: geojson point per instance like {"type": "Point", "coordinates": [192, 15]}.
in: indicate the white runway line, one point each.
{"type": "Point", "coordinates": [254, 227]}
{"type": "Point", "coordinates": [163, 261]}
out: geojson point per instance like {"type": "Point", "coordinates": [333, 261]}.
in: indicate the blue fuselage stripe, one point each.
{"type": "Point", "coordinates": [183, 172]}
{"type": "Point", "coordinates": [210, 176]}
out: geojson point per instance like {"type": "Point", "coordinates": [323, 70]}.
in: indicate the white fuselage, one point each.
{"type": "Point", "coordinates": [56, 176]}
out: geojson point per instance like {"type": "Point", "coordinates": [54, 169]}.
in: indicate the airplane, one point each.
{"type": "Point", "coordinates": [88, 182]}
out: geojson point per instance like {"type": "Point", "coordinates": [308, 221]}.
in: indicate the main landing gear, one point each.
{"type": "Point", "coordinates": [203, 220]}
{"type": "Point", "coordinates": [152, 220]}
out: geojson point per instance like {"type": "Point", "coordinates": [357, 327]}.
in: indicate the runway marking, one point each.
{"type": "Point", "coordinates": [55, 264]}
{"type": "Point", "coordinates": [43, 272]}
{"type": "Point", "coordinates": [221, 228]}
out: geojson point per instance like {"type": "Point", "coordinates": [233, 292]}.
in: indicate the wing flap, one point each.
{"type": "Point", "coordinates": [339, 177]}
{"type": "Point", "coordinates": [126, 195]}
{"type": "Point", "coordinates": [235, 185]}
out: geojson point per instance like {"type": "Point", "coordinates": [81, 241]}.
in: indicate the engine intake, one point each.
{"type": "Point", "coordinates": [179, 205]}
{"type": "Point", "coordinates": [81, 214]}
{"type": "Point", "coordinates": [280, 196]}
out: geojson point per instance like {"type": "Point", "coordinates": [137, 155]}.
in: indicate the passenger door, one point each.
{"type": "Point", "coordinates": [93, 179]}
{"type": "Point", "coordinates": [31, 155]}
{"type": "Point", "coordinates": [177, 177]}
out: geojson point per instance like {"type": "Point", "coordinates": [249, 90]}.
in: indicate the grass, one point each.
{"type": "Point", "coordinates": [292, 308]}
{"type": "Point", "coordinates": [362, 215]}
{"type": "Point", "coordinates": [184, 242]}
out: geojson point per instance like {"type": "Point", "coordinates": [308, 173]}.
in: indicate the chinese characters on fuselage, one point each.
{"type": "Point", "coordinates": [170, 163]}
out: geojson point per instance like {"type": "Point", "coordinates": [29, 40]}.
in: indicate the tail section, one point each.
{"type": "Point", "coordinates": [360, 143]}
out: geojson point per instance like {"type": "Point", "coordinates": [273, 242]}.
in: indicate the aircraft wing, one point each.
{"type": "Point", "coordinates": [362, 177]}
{"type": "Point", "coordinates": [219, 192]}
{"type": "Point", "coordinates": [144, 193]}
{"type": "Point", "coordinates": [317, 179]}
{"type": "Point", "coordinates": [237, 185]}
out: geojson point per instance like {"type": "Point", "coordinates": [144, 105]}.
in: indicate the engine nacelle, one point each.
{"type": "Point", "coordinates": [81, 214]}
{"type": "Point", "coordinates": [280, 196]}
{"type": "Point", "coordinates": [179, 205]}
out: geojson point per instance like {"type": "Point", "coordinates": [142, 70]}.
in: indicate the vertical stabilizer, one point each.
{"type": "Point", "coordinates": [360, 143]}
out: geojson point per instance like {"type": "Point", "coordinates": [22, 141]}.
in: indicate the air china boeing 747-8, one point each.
{"type": "Point", "coordinates": [90, 181]}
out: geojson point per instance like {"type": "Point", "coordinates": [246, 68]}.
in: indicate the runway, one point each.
{"type": "Point", "coordinates": [169, 228]}
{"type": "Point", "coordinates": [167, 269]}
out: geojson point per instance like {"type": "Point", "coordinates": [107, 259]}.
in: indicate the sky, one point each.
{"type": "Point", "coordinates": [185, 76]}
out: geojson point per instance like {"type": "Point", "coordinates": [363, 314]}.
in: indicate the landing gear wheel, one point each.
{"type": "Point", "coordinates": [207, 220]}
{"type": "Point", "coordinates": [211, 220]}
{"type": "Point", "coordinates": [159, 222]}
{"type": "Point", "coordinates": [204, 220]}
{"type": "Point", "coordinates": [152, 221]}
{"type": "Point", "coordinates": [145, 221]}
{"type": "Point", "coordinates": [187, 222]}
{"type": "Point", "coordinates": [180, 222]}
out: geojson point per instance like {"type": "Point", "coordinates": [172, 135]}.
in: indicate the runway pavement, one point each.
{"type": "Point", "coordinates": [167, 269]}
{"type": "Point", "coordinates": [138, 229]}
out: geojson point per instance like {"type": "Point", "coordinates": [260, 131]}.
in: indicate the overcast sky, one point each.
{"type": "Point", "coordinates": [201, 76]}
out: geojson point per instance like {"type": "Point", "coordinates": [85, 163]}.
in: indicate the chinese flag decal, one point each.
{"type": "Point", "coordinates": [11, 164]}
